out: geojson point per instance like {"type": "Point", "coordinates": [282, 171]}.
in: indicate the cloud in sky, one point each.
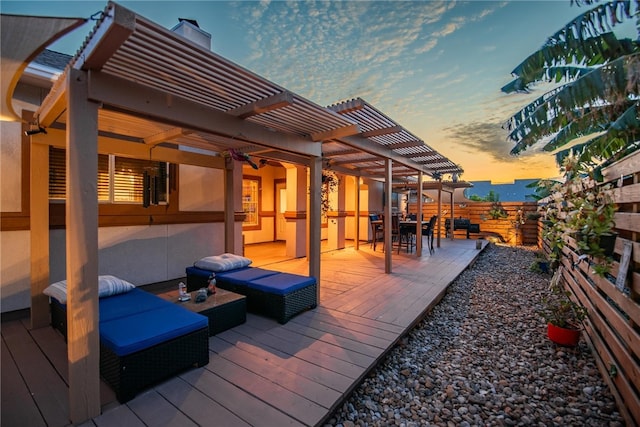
{"type": "Point", "coordinates": [435, 67]}
{"type": "Point", "coordinates": [324, 37]}
{"type": "Point", "coordinates": [482, 136]}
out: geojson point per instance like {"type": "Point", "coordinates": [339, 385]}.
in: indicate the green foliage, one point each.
{"type": "Point", "coordinates": [599, 95]}
{"type": "Point", "coordinates": [558, 308]}
{"type": "Point", "coordinates": [496, 211]}
{"type": "Point", "coordinates": [541, 188]}
{"type": "Point", "coordinates": [492, 196]}
{"type": "Point", "coordinates": [329, 185]}
{"type": "Point", "coordinates": [580, 208]}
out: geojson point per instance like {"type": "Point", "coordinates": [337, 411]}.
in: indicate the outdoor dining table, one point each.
{"type": "Point", "coordinates": [408, 229]}
{"type": "Point", "coordinates": [409, 226]}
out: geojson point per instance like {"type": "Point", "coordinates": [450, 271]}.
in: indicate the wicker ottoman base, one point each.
{"type": "Point", "coordinates": [134, 372]}
{"type": "Point", "coordinates": [130, 374]}
{"type": "Point", "coordinates": [282, 307]}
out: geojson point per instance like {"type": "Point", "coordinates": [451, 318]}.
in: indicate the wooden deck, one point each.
{"type": "Point", "coordinates": [260, 373]}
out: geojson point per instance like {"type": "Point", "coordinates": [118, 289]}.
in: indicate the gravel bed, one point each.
{"type": "Point", "coordinates": [481, 357]}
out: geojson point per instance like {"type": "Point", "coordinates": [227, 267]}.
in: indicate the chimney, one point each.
{"type": "Point", "coordinates": [189, 29]}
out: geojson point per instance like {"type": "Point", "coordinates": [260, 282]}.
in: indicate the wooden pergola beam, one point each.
{"type": "Point", "coordinates": [370, 147]}
{"type": "Point", "coordinates": [270, 103]}
{"type": "Point", "coordinates": [120, 24]}
{"type": "Point", "coordinates": [355, 161]}
{"type": "Point", "coordinates": [336, 133]}
{"type": "Point", "coordinates": [409, 144]}
{"type": "Point", "coordinates": [380, 132]}
{"type": "Point", "coordinates": [166, 136]}
{"type": "Point", "coordinates": [118, 147]}
{"type": "Point", "coordinates": [137, 99]}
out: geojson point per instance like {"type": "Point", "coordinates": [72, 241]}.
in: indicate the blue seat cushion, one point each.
{"type": "Point", "coordinates": [281, 283]}
{"type": "Point", "coordinates": [127, 335]}
{"type": "Point", "coordinates": [123, 305]}
{"type": "Point", "coordinates": [243, 276]}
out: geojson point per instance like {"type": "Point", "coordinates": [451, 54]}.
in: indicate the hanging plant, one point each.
{"type": "Point", "coordinates": [329, 184]}
{"type": "Point", "coordinates": [238, 156]}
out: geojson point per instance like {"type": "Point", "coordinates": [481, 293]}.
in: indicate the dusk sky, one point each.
{"type": "Point", "coordinates": [435, 67]}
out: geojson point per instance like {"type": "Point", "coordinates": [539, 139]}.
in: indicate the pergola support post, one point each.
{"type": "Point", "coordinates": [419, 217]}
{"type": "Point", "coordinates": [296, 214]}
{"type": "Point", "coordinates": [315, 187]}
{"type": "Point", "coordinates": [356, 242]}
{"type": "Point", "coordinates": [39, 233]}
{"type": "Point", "coordinates": [439, 211]}
{"type": "Point", "coordinates": [83, 340]}
{"type": "Point", "coordinates": [388, 245]}
{"type": "Point", "coordinates": [233, 207]}
{"type": "Point", "coordinates": [336, 227]}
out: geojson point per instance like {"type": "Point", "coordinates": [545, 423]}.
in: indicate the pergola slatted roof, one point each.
{"type": "Point", "coordinates": [156, 61]}
{"type": "Point", "coordinates": [385, 132]}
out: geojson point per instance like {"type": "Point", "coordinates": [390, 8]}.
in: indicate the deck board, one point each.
{"type": "Point", "coordinates": [271, 393]}
{"type": "Point", "coordinates": [238, 400]}
{"type": "Point", "coordinates": [312, 371]}
{"type": "Point", "coordinates": [260, 373]}
{"type": "Point", "coordinates": [15, 394]}
{"type": "Point", "coordinates": [49, 391]}
{"type": "Point", "coordinates": [293, 382]}
{"type": "Point", "coordinates": [202, 409]}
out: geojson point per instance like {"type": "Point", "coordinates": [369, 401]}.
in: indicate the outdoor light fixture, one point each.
{"type": "Point", "coordinates": [34, 130]}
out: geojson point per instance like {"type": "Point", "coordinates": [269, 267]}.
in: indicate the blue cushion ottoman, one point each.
{"type": "Point", "coordinates": [232, 280]}
{"type": "Point", "coordinates": [143, 340]}
{"type": "Point", "coordinates": [281, 296]}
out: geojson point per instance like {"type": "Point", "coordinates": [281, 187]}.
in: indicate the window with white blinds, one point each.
{"type": "Point", "coordinates": [120, 179]}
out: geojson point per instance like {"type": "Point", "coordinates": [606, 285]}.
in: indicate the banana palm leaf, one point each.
{"type": "Point", "coordinates": [552, 61]}
{"type": "Point", "coordinates": [607, 87]}
{"type": "Point", "coordinates": [598, 20]}
{"type": "Point", "coordinates": [619, 139]}
{"type": "Point", "coordinates": [594, 121]}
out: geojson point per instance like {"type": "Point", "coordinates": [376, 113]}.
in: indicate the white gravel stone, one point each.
{"type": "Point", "coordinates": [481, 357]}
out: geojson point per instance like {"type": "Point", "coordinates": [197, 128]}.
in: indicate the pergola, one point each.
{"type": "Point", "coordinates": [139, 90]}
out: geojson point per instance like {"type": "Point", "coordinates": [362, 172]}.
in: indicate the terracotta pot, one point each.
{"type": "Point", "coordinates": [563, 336]}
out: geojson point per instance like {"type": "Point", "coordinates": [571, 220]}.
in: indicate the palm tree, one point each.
{"type": "Point", "coordinates": [598, 92]}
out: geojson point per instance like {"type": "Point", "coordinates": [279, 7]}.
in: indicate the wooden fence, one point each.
{"type": "Point", "coordinates": [507, 230]}
{"type": "Point", "coordinates": [612, 329]}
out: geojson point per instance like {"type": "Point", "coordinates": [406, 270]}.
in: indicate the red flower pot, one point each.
{"type": "Point", "coordinates": [563, 336]}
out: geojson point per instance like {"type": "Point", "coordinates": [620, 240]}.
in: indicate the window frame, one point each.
{"type": "Point", "coordinates": [257, 225]}
{"type": "Point", "coordinates": [109, 190]}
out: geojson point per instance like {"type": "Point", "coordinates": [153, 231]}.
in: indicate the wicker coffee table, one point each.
{"type": "Point", "coordinates": [224, 309]}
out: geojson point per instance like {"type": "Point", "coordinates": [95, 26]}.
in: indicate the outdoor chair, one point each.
{"type": "Point", "coordinates": [377, 229]}
{"type": "Point", "coordinates": [403, 236]}
{"type": "Point", "coordinates": [427, 230]}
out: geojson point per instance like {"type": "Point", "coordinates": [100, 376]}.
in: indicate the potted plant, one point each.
{"type": "Point", "coordinates": [563, 315]}
{"type": "Point", "coordinates": [540, 264]}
